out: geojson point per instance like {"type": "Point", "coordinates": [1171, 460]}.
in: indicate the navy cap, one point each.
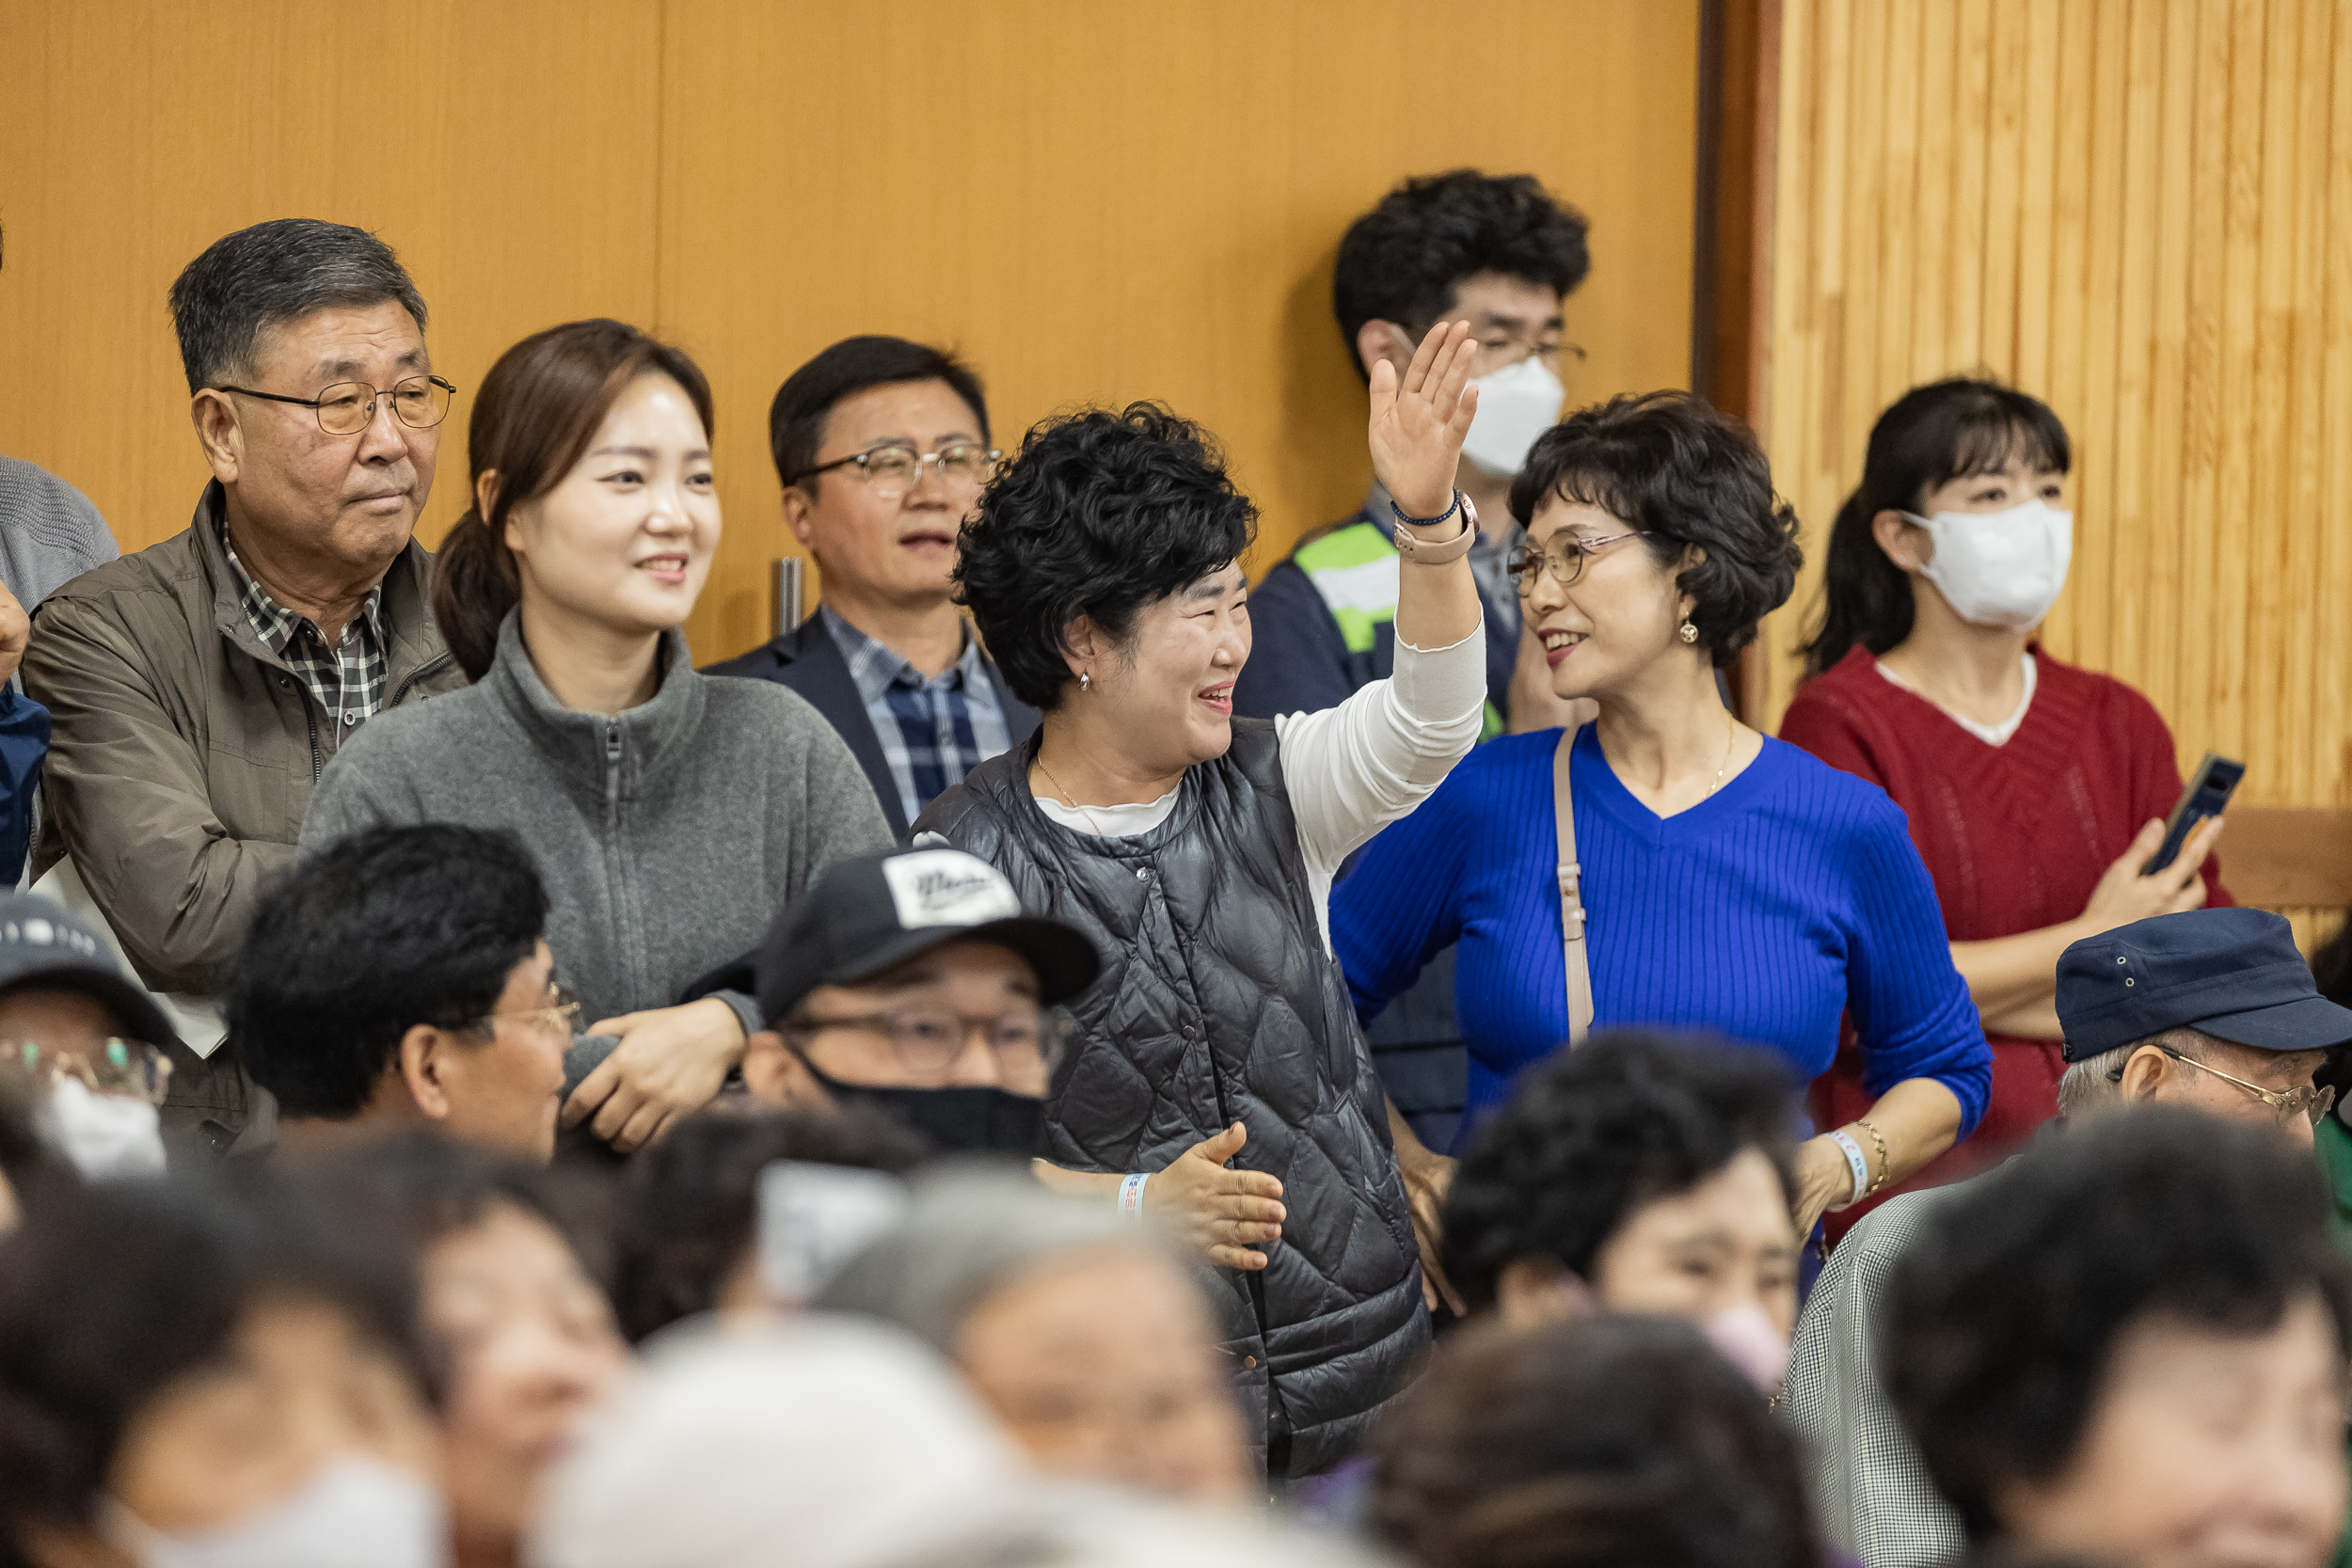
{"type": "Point", "coordinates": [42, 946]}
{"type": "Point", "coordinates": [872, 912]}
{"type": "Point", "coordinates": [2233, 973]}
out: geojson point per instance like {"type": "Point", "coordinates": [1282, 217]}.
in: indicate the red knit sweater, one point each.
{"type": "Point", "coordinates": [2016, 836]}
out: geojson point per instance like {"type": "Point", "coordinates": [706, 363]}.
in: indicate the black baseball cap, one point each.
{"type": "Point", "coordinates": [2233, 973]}
{"type": "Point", "coordinates": [44, 947]}
{"type": "Point", "coordinates": [871, 914]}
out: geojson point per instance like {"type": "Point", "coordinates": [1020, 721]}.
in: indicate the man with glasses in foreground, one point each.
{"type": "Point", "coordinates": [913, 983]}
{"type": "Point", "coordinates": [401, 982]}
{"type": "Point", "coordinates": [2214, 1009]}
{"type": "Point", "coordinates": [883, 447]}
{"type": "Point", "coordinates": [196, 689]}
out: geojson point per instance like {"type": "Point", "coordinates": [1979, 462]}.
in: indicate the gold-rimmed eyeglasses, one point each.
{"type": "Point", "coordinates": [893, 470]}
{"type": "Point", "coordinates": [112, 1066]}
{"type": "Point", "coordinates": [348, 407]}
{"type": "Point", "coordinates": [560, 1011]}
{"type": "Point", "coordinates": [2308, 1100]}
{"type": "Point", "coordinates": [1563, 556]}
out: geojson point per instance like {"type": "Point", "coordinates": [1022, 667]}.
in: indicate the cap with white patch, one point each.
{"type": "Point", "coordinates": [870, 914]}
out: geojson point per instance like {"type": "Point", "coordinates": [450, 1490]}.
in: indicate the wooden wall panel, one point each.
{"type": "Point", "coordinates": [1102, 203]}
{"type": "Point", "coordinates": [482, 140]}
{"type": "Point", "coordinates": [1095, 202]}
{"type": "Point", "coordinates": [2140, 210]}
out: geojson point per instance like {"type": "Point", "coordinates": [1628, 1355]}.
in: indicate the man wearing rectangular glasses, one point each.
{"type": "Point", "coordinates": [883, 447]}
{"type": "Point", "coordinates": [2214, 1009]}
{"type": "Point", "coordinates": [196, 689]}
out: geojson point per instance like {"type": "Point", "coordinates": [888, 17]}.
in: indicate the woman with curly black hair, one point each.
{"type": "Point", "coordinates": [1733, 883]}
{"type": "Point", "coordinates": [1197, 850]}
{"type": "Point", "coordinates": [1641, 1174]}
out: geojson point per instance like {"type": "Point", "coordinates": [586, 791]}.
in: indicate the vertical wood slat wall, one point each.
{"type": "Point", "coordinates": [1095, 202]}
{"type": "Point", "coordinates": [2140, 210]}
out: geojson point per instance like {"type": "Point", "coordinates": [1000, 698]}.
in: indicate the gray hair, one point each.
{"type": "Point", "coordinates": [967, 1231]}
{"type": "Point", "coordinates": [275, 272]}
{"type": "Point", "coordinates": [2090, 1085]}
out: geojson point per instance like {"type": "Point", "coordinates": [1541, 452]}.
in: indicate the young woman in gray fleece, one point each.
{"type": "Point", "coordinates": [672, 814]}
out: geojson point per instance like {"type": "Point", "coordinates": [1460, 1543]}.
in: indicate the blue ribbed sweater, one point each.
{"type": "Point", "coordinates": [1763, 913]}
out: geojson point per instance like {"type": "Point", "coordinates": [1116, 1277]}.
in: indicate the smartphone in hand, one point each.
{"type": "Point", "coordinates": [2207, 793]}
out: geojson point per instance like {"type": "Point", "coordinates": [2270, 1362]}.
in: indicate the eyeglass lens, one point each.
{"type": "Point", "coordinates": [1565, 566]}
{"type": "Point", "coordinates": [893, 470]}
{"type": "Point", "coordinates": [346, 408]}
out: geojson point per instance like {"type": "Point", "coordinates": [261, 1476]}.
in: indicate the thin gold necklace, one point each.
{"type": "Point", "coordinates": [1093, 821]}
{"type": "Point", "coordinates": [1730, 741]}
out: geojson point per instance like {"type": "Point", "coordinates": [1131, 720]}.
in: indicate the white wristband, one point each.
{"type": "Point", "coordinates": [1131, 1196]}
{"type": "Point", "coordinates": [1855, 1163]}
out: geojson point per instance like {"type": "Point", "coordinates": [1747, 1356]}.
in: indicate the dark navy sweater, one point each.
{"type": "Point", "coordinates": [1765, 913]}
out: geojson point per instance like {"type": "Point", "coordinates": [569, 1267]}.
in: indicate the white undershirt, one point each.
{"type": "Point", "coordinates": [1351, 769]}
{"type": "Point", "coordinates": [1991, 735]}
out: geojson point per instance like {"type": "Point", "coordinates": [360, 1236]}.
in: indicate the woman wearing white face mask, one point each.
{"type": "Point", "coordinates": [2035, 791]}
{"type": "Point", "coordinates": [1731, 883]}
{"type": "Point", "coordinates": [207, 1375]}
{"type": "Point", "coordinates": [671, 812]}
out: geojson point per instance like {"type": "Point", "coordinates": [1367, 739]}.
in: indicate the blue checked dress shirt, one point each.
{"type": "Point", "coordinates": [932, 731]}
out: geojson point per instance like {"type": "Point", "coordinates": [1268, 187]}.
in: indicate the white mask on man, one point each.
{"type": "Point", "coordinates": [353, 1512]}
{"type": "Point", "coordinates": [103, 1136]}
{"type": "Point", "coordinates": [1515, 404]}
{"type": "Point", "coordinates": [2000, 568]}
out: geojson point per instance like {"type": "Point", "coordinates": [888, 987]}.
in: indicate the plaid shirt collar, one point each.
{"type": "Point", "coordinates": [875, 669]}
{"type": "Point", "coordinates": [348, 680]}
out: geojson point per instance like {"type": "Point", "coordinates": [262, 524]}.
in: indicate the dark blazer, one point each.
{"type": "Point", "coordinates": [807, 659]}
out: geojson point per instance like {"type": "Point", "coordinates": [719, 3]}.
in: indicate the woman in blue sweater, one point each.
{"type": "Point", "coordinates": [1729, 882]}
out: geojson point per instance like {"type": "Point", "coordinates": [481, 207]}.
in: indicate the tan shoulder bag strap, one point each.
{"type": "Point", "coordinates": [1572, 897]}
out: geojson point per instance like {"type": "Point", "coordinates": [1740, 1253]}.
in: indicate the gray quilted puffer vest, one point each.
{"type": "Point", "coordinates": [1218, 1003]}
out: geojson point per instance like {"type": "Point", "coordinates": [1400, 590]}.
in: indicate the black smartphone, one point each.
{"type": "Point", "coordinates": [2208, 791]}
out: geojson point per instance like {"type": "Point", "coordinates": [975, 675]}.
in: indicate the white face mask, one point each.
{"type": "Point", "coordinates": [2000, 568]}
{"type": "Point", "coordinates": [105, 1136]}
{"type": "Point", "coordinates": [1515, 406]}
{"type": "Point", "coordinates": [353, 1512]}
{"type": "Point", "coordinates": [1747, 1337]}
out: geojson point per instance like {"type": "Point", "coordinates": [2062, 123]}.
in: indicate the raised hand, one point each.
{"type": "Point", "coordinates": [1418, 423]}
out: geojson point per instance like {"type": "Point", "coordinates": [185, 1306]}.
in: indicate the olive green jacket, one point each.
{"type": "Point", "coordinates": [183, 753]}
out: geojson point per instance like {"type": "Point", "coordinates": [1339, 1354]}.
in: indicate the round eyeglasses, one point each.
{"type": "Point", "coordinates": [893, 470]}
{"type": "Point", "coordinates": [1562, 557]}
{"type": "Point", "coordinates": [112, 1066]}
{"type": "Point", "coordinates": [348, 407]}
{"type": "Point", "coordinates": [2308, 1101]}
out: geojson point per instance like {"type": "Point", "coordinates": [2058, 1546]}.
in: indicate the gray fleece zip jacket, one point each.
{"type": "Point", "coordinates": [668, 836]}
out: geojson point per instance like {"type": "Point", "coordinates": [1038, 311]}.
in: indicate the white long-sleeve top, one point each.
{"type": "Point", "coordinates": [1351, 769]}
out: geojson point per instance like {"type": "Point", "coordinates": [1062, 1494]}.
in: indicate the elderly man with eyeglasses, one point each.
{"type": "Point", "coordinates": [2214, 1009]}
{"type": "Point", "coordinates": [196, 689]}
{"type": "Point", "coordinates": [883, 447]}
{"type": "Point", "coordinates": [404, 983]}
